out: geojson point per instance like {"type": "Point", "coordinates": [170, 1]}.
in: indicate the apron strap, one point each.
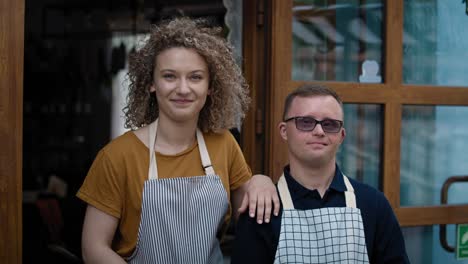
{"type": "Point", "coordinates": [206, 161]}
{"type": "Point", "coordinates": [153, 168]}
{"type": "Point", "coordinates": [349, 194]}
{"type": "Point", "coordinates": [284, 193]}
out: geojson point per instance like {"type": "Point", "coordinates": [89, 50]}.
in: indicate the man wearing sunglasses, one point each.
{"type": "Point", "coordinates": [325, 217]}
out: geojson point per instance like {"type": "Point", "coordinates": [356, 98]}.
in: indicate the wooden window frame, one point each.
{"type": "Point", "coordinates": [11, 129]}
{"type": "Point", "coordinates": [393, 94]}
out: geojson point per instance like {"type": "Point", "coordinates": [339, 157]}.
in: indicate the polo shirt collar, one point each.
{"type": "Point", "coordinates": [337, 183]}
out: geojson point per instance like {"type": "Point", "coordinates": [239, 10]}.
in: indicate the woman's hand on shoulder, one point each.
{"type": "Point", "coordinates": [260, 196]}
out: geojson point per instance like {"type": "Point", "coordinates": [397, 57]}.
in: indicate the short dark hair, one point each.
{"type": "Point", "coordinates": [307, 90]}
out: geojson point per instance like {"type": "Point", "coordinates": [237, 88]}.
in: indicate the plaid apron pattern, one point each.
{"type": "Point", "coordinates": [325, 235]}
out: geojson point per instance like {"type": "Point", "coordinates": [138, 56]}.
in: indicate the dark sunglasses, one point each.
{"type": "Point", "coordinates": [308, 123]}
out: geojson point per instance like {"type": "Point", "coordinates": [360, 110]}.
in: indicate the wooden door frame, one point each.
{"type": "Point", "coordinates": [11, 128]}
{"type": "Point", "coordinates": [11, 112]}
{"type": "Point", "coordinates": [389, 94]}
{"type": "Point", "coordinates": [392, 95]}
{"type": "Point", "coordinates": [255, 56]}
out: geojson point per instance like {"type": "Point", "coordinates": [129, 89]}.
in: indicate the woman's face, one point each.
{"type": "Point", "coordinates": [181, 83]}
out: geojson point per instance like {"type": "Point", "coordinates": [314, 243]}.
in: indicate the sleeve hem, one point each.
{"type": "Point", "coordinates": [239, 183]}
{"type": "Point", "coordinates": [103, 207]}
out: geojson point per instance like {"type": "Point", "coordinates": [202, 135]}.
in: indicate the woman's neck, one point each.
{"type": "Point", "coordinates": [174, 137]}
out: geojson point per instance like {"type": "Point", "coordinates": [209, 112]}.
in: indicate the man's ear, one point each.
{"type": "Point", "coordinates": [282, 131]}
{"type": "Point", "coordinates": [343, 135]}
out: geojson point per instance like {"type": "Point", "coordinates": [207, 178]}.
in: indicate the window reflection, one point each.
{"type": "Point", "coordinates": [433, 148]}
{"type": "Point", "coordinates": [423, 245]}
{"type": "Point", "coordinates": [434, 42]}
{"type": "Point", "coordinates": [360, 153]}
{"type": "Point", "coordinates": [331, 41]}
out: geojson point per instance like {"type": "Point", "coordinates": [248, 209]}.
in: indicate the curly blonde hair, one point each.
{"type": "Point", "coordinates": [228, 100]}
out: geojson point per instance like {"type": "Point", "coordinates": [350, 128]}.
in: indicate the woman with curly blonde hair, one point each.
{"type": "Point", "coordinates": [147, 202]}
{"type": "Point", "coordinates": [229, 99]}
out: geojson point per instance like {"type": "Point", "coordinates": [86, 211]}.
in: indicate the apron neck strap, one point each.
{"type": "Point", "coordinates": [153, 169]}
{"type": "Point", "coordinates": [284, 193]}
{"type": "Point", "coordinates": [205, 158]}
{"type": "Point", "coordinates": [349, 193]}
{"type": "Point", "coordinates": [286, 200]}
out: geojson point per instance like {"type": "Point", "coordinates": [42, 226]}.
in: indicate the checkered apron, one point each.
{"type": "Point", "coordinates": [326, 235]}
{"type": "Point", "coordinates": [180, 217]}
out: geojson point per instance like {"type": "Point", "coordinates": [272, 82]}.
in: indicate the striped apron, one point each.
{"type": "Point", "coordinates": [180, 217]}
{"type": "Point", "coordinates": [326, 235]}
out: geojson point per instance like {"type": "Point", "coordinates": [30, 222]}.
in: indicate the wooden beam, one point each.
{"type": "Point", "coordinates": [432, 215]}
{"type": "Point", "coordinates": [438, 95]}
{"type": "Point", "coordinates": [391, 153]}
{"type": "Point", "coordinates": [280, 76]}
{"type": "Point", "coordinates": [11, 116]}
{"type": "Point", "coordinates": [253, 126]}
{"type": "Point", "coordinates": [365, 93]}
{"type": "Point", "coordinates": [393, 56]}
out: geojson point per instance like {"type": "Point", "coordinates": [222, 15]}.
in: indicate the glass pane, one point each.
{"type": "Point", "coordinates": [423, 245]}
{"type": "Point", "coordinates": [435, 42]}
{"type": "Point", "coordinates": [332, 39]}
{"type": "Point", "coordinates": [434, 141]}
{"type": "Point", "coordinates": [360, 154]}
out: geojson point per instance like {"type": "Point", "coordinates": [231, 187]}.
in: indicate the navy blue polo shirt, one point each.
{"type": "Point", "coordinates": [257, 243]}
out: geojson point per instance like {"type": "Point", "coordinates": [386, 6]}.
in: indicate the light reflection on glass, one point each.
{"type": "Point", "coordinates": [360, 154]}
{"type": "Point", "coordinates": [435, 42]}
{"type": "Point", "coordinates": [331, 41]}
{"type": "Point", "coordinates": [434, 141]}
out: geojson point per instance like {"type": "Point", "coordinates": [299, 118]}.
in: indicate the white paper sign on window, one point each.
{"type": "Point", "coordinates": [370, 72]}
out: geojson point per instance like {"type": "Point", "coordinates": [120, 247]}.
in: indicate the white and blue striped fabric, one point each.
{"type": "Point", "coordinates": [325, 235]}
{"type": "Point", "coordinates": [181, 217]}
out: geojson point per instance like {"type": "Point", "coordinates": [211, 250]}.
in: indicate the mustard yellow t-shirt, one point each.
{"type": "Point", "coordinates": [114, 183]}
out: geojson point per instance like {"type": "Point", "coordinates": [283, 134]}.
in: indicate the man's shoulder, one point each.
{"type": "Point", "coordinates": [368, 194]}
{"type": "Point", "coordinates": [245, 222]}
{"type": "Point", "coordinates": [363, 187]}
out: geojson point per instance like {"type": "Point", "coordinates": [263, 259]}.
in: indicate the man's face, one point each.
{"type": "Point", "coordinates": [316, 147]}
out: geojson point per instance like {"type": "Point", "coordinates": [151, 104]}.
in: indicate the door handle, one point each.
{"type": "Point", "coordinates": [443, 200]}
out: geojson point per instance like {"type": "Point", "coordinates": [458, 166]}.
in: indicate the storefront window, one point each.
{"type": "Point", "coordinates": [433, 147]}
{"type": "Point", "coordinates": [360, 154]}
{"type": "Point", "coordinates": [435, 42]}
{"type": "Point", "coordinates": [424, 247]}
{"type": "Point", "coordinates": [332, 39]}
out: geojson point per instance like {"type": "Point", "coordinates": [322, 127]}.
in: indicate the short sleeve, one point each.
{"type": "Point", "coordinates": [239, 171]}
{"type": "Point", "coordinates": [103, 186]}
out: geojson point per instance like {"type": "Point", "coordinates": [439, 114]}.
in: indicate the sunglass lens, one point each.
{"type": "Point", "coordinates": [331, 126]}
{"type": "Point", "coordinates": [306, 123]}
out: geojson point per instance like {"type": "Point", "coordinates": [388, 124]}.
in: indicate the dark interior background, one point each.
{"type": "Point", "coordinates": [69, 63]}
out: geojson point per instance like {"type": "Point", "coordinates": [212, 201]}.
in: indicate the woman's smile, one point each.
{"type": "Point", "coordinates": [181, 83]}
{"type": "Point", "coordinates": [182, 101]}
